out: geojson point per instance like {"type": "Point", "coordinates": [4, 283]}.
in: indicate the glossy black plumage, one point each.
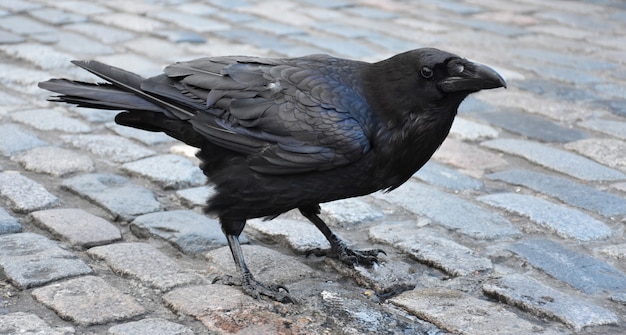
{"type": "Point", "coordinates": [278, 134]}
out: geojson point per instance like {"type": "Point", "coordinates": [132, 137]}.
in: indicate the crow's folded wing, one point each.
{"type": "Point", "coordinates": [287, 116]}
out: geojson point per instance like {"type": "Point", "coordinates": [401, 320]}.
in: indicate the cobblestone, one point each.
{"type": "Point", "coordinates": [188, 231]}
{"type": "Point", "coordinates": [145, 263]}
{"type": "Point", "coordinates": [579, 270]}
{"type": "Point", "coordinates": [8, 224]}
{"type": "Point", "coordinates": [573, 193]}
{"type": "Point", "coordinates": [169, 171]}
{"type": "Point", "coordinates": [31, 260]}
{"type": "Point", "coordinates": [516, 225]}
{"type": "Point", "coordinates": [78, 227]}
{"type": "Point", "coordinates": [65, 162]}
{"type": "Point", "coordinates": [115, 194]}
{"type": "Point", "coordinates": [456, 312]}
{"type": "Point", "coordinates": [23, 194]}
{"type": "Point", "coordinates": [566, 222]}
{"type": "Point", "coordinates": [451, 212]}
{"type": "Point", "coordinates": [543, 300]}
{"type": "Point", "coordinates": [15, 140]}
{"type": "Point", "coordinates": [556, 159]}
{"type": "Point", "coordinates": [88, 301]}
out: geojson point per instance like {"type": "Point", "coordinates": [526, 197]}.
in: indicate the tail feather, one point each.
{"type": "Point", "coordinates": [121, 81]}
{"type": "Point", "coordinates": [105, 96]}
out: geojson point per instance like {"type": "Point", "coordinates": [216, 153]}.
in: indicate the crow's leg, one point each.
{"type": "Point", "coordinates": [251, 286]}
{"type": "Point", "coordinates": [338, 248]}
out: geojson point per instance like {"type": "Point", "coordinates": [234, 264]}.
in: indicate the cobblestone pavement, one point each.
{"type": "Point", "coordinates": [515, 227]}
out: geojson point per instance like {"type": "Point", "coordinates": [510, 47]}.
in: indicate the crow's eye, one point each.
{"type": "Point", "coordinates": [426, 72]}
{"type": "Point", "coordinates": [457, 68]}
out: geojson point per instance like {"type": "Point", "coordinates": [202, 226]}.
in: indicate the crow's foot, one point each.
{"type": "Point", "coordinates": [256, 289]}
{"type": "Point", "coordinates": [347, 255]}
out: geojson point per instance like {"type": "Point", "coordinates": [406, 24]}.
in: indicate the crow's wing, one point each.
{"type": "Point", "coordinates": [288, 116]}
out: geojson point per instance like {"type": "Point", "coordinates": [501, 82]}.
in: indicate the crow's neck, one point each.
{"type": "Point", "coordinates": [411, 128]}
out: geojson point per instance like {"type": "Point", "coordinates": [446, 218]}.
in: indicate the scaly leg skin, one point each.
{"type": "Point", "coordinates": [251, 286]}
{"type": "Point", "coordinates": [338, 249]}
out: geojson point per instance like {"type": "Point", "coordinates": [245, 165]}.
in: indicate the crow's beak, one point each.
{"type": "Point", "coordinates": [471, 77]}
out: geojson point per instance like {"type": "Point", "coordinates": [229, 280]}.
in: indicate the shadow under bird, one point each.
{"type": "Point", "coordinates": [279, 134]}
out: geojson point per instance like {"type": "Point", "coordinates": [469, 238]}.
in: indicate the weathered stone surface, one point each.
{"type": "Point", "coordinates": [144, 262]}
{"type": "Point", "coordinates": [610, 127]}
{"type": "Point", "coordinates": [227, 310]}
{"type": "Point", "coordinates": [607, 151]}
{"type": "Point", "coordinates": [533, 127]}
{"type": "Point", "coordinates": [8, 224]}
{"type": "Point", "coordinates": [169, 171]}
{"type": "Point", "coordinates": [79, 228]}
{"type": "Point", "coordinates": [195, 196]}
{"type": "Point", "coordinates": [266, 264]}
{"type": "Point", "coordinates": [541, 300]}
{"type": "Point", "coordinates": [114, 148]}
{"type": "Point", "coordinates": [115, 194]}
{"type": "Point", "coordinates": [442, 176]}
{"type": "Point", "coordinates": [188, 231]}
{"type": "Point", "coordinates": [24, 194]}
{"type": "Point", "coordinates": [49, 120]}
{"type": "Point", "coordinates": [88, 301]}
{"type": "Point", "coordinates": [55, 161]}
{"type": "Point", "coordinates": [573, 193]}
{"type": "Point", "coordinates": [27, 323]}
{"type": "Point", "coordinates": [471, 159]}
{"type": "Point", "coordinates": [457, 312]}
{"type": "Point", "coordinates": [467, 130]}
{"type": "Point", "coordinates": [617, 251]}
{"type": "Point", "coordinates": [556, 159]}
{"type": "Point", "coordinates": [145, 137]}
{"type": "Point", "coordinates": [300, 236]}
{"type": "Point", "coordinates": [351, 211]}
{"type": "Point", "coordinates": [566, 222]}
{"type": "Point", "coordinates": [150, 327]}
{"type": "Point", "coordinates": [450, 211]}
{"type": "Point", "coordinates": [428, 248]}
{"type": "Point", "coordinates": [579, 270]}
{"type": "Point", "coordinates": [14, 140]}
{"type": "Point", "coordinates": [30, 260]}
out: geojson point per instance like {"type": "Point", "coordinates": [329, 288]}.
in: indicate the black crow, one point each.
{"type": "Point", "coordinates": [279, 134]}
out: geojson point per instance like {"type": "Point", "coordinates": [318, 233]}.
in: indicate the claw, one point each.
{"type": "Point", "coordinates": [348, 255]}
{"type": "Point", "coordinates": [256, 289]}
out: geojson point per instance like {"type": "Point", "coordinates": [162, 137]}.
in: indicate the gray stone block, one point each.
{"type": "Point", "coordinates": [81, 229]}
{"type": "Point", "coordinates": [347, 212]}
{"type": "Point", "coordinates": [27, 323]}
{"type": "Point", "coordinates": [428, 248]}
{"type": "Point", "coordinates": [146, 137]}
{"type": "Point", "coordinates": [541, 301]}
{"type": "Point", "coordinates": [168, 171]}
{"type": "Point", "coordinates": [150, 326]}
{"type": "Point", "coordinates": [48, 120]}
{"type": "Point", "coordinates": [115, 194]}
{"type": "Point", "coordinates": [583, 272]}
{"type": "Point", "coordinates": [565, 222]}
{"type": "Point", "coordinates": [31, 260]}
{"type": "Point", "coordinates": [556, 159]}
{"type": "Point", "coordinates": [568, 191]}
{"type": "Point", "coordinates": [114, 148]}
{"type": "Point", "coordinates": [607, 151]}
{"type": "Point", "coordinates": [144, 262]}
{"type": "Point", "coordinates": [443, 176]}
{"type": "Point", "coordinates": [609, 127]}
{"type": "Point", "coordinates": [195, 196]}
{"type": "Point", "coordinates": [188, 231]}
{"type": "Point", "coordinates": [300, 236]}
{"type": "Point", "coordinates": [533, 127]}
{"type": "Point", "coordinates": [14, 140]}
{"type": "Point", "coordinates": [467, 130]}
{"type": "Point", "coordinates": [8, 224]}
{"type": "Point", "coordinates": [65, 161]}
{"type": "Point", "coordinates": [88, 301]}
{"type": "Point", "coordinates": [24, 194]}
{"type": "Point", "coordinates": [450, 211]}
{"type": "Point", "coordinates": [459, 313]}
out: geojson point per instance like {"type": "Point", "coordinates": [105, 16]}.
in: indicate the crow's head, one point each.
{"type": "Point", "coordinates": [425, 79]}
